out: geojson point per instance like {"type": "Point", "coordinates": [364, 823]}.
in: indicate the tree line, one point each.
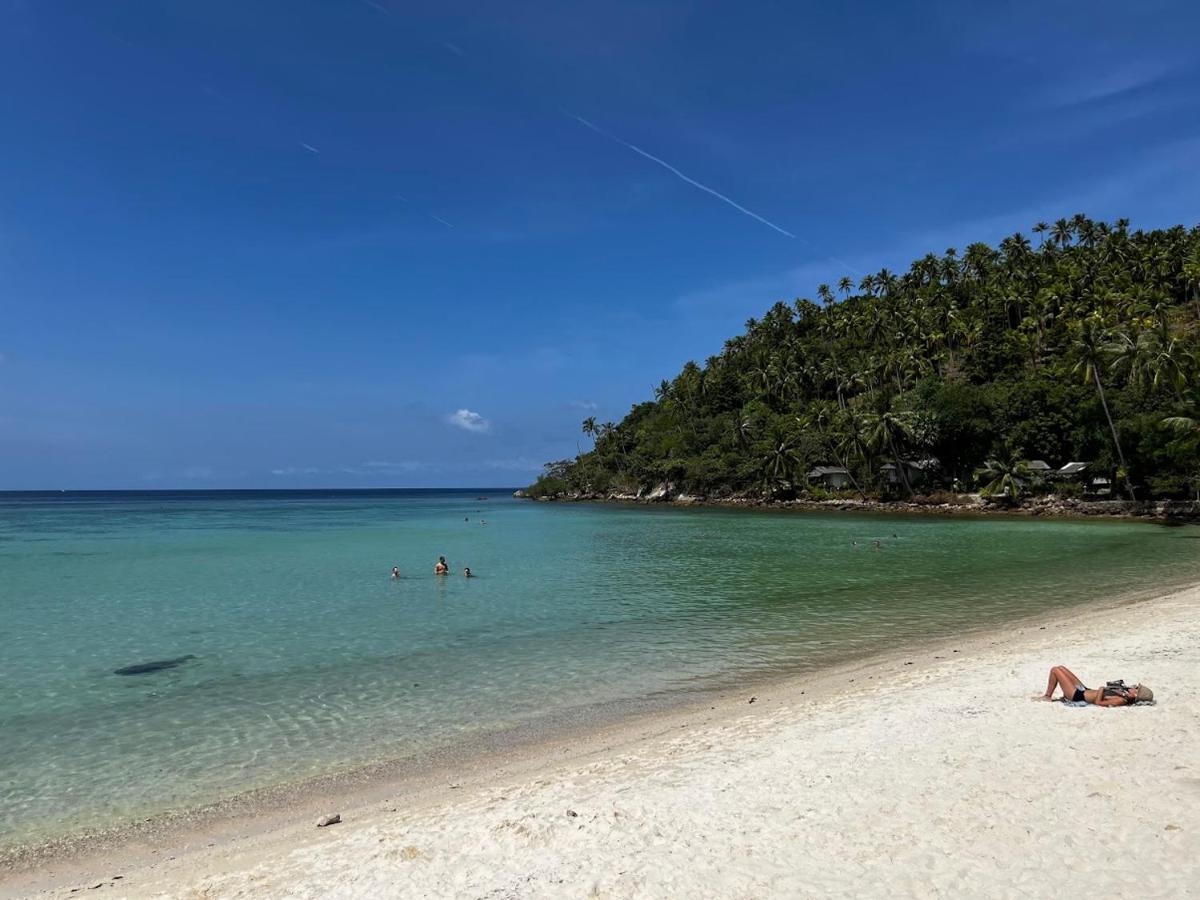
{"type": "Point", "coordinates": [1084, 347]}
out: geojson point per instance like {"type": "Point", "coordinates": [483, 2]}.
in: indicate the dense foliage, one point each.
{"type": "Point", "coordinates": [1083, 348]}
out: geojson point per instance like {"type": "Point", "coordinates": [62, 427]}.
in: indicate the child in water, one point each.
{"type": "Point", "coordinates": [467, 572]}
{"type": "Point", "coordinates": [395, 573]}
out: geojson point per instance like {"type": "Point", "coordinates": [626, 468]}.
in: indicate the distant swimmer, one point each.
{"type": "Point", "coordinates": [854, 543]}
{"type": "Point", "coordinates": [442, 567]}
{"type": "Point", "coordinates": [467, 572]}
{"type": "Point", "coordinates": [395, 573]}
{"type": "Point", "coordinates": [483, 521]}
{"type": "Point", "coordinates": [894, 535]}
{"type": "Point", "coordinates": [875, 545]}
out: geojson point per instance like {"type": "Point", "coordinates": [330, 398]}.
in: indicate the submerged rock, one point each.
{"type": "Point", "coordinates": [154, 666]}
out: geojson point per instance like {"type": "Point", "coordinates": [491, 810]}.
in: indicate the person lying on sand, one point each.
{"type": "Point", "coordinates": [1115, 693]}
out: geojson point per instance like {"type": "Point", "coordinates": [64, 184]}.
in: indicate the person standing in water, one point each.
{"type": "Point", "coordinates": [442, 567]}
{"type": "Point", "coordinates": [395, 573]}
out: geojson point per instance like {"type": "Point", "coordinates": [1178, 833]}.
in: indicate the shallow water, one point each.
{"type": "Point", "coordinates": [308, 658]}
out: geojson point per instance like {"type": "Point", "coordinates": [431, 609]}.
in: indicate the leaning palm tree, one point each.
{"type": "Point", "coordinates": [1092, 348]}
{"type": "Point", "coordinates": [589, 428]}
{"type": "Point", "coordinates": [1006, 480]}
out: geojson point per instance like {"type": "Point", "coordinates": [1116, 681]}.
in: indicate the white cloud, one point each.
{"type": "Point", "coordinates": [519, 464]}
{"type": "Point", "coordinates": [296, 470]}
{"type": "Point", "coordinates": [469, 421]}
{"type": "Point", "coordinates": [589, 405]}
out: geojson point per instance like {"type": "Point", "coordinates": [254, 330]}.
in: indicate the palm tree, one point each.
{"type": "Point", "coordinates": [779, 463]}
{"type": "Point", "coordinates": [838, 431]}
{"type": "Point", "coordinates": [845, 285]}
{"type": "Point", "coordinates": [1185, 427]}
{"type": "Point", "coordinates": [1130, 355]}
{"type": "Point", "coordinates": [1092, 347]}
{"type": "Point", "coordinates": [1169, 361]}
{"type": "Point", "coordinates": [1004, 479]}
{"type": "Point", "coordinates": [887, 428]}
{"type": "Point", "coordinates": [1187, 430]}
{"type": "Point", "coordinates": [589, 428]}
{"type": "Point", "coordinates": [1061, 233]}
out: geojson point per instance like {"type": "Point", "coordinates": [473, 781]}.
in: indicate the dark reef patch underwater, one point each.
{"type": "Point", "coordinates": [155, 666]}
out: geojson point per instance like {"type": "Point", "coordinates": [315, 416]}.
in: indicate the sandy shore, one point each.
{"type": "Point", "coordinates": [925, 775]}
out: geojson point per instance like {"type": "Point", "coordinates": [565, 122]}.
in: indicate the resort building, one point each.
{"type": "Point", "coordinates": [1071, 470]}
{"type": "Point", "coordinates": [917, 471]}
{"type": "Point", "coordinates": [832, 478]}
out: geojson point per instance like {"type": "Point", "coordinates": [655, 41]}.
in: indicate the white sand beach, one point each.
{"type": "Point", "coordinates": [928, 776]}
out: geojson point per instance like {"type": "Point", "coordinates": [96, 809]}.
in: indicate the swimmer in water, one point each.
{"type": "Point", "coordinates": [875, 545]}
{"type": "Point", "coordinates": [395, 573]}
{"type": "Point", "coordinates": [467, 572]}
{"type": "Point", "coordinates": [442, 567]}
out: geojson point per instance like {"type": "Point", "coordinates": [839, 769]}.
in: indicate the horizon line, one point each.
{"type": "Point", "coordinates": [197, 490]}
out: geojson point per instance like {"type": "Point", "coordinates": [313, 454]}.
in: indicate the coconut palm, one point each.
{"type": "Point", "coordinates": [885, 429]}
{"type": "Point", "coordinates": [780, 461]}
{"type": "Point", "coordinates": [1187, 431]}
{"type": "Point", "coordinates": [589, 428]}
{"type": "Point", "coordinates": [1005, 479]}
{"type": "Point", "coordinates": [1186, 427]}
{"type": "Point", "coordinates": [1092, 349]}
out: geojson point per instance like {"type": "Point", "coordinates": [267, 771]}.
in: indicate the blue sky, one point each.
{"type": "Point", "coordinates": [289, 243]}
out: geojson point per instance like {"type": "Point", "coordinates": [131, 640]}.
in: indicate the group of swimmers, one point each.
{"type": "Point", "coordinates": [875, 545]}
{"type": "Point", "coordinates": [440, 568]}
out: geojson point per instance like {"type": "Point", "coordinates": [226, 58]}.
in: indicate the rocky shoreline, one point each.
{"type": "Point", "coordinates": [941, 503]}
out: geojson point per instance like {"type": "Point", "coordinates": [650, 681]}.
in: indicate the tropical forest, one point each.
{"type": "Point", "coordinates": [988, 370]}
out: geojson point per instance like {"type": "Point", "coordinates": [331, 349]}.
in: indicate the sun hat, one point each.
{"type": "Point", "coordinates": [1144, 694]}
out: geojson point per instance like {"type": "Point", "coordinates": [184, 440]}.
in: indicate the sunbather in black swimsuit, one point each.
{"type": "Point", "coordinates": [1078, 695]}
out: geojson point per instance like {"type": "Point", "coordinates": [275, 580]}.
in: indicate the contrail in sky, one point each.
{"type": "Point", "coordinates": [440, 219]}
{"type": "Point", "coordinates": [674, 171]}
{"type": "Point", "coordinates": [310, 148]}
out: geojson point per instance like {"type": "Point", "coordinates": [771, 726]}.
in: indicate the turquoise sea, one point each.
{"type": "Point", "coordinates": [307, 658]}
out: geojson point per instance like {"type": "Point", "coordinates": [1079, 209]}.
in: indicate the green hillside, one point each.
{"type": "Point", "coordinates": [1080, 345]}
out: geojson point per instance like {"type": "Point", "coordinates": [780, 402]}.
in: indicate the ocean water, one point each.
{"type": "Point", "coordinates": [307, 658]}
